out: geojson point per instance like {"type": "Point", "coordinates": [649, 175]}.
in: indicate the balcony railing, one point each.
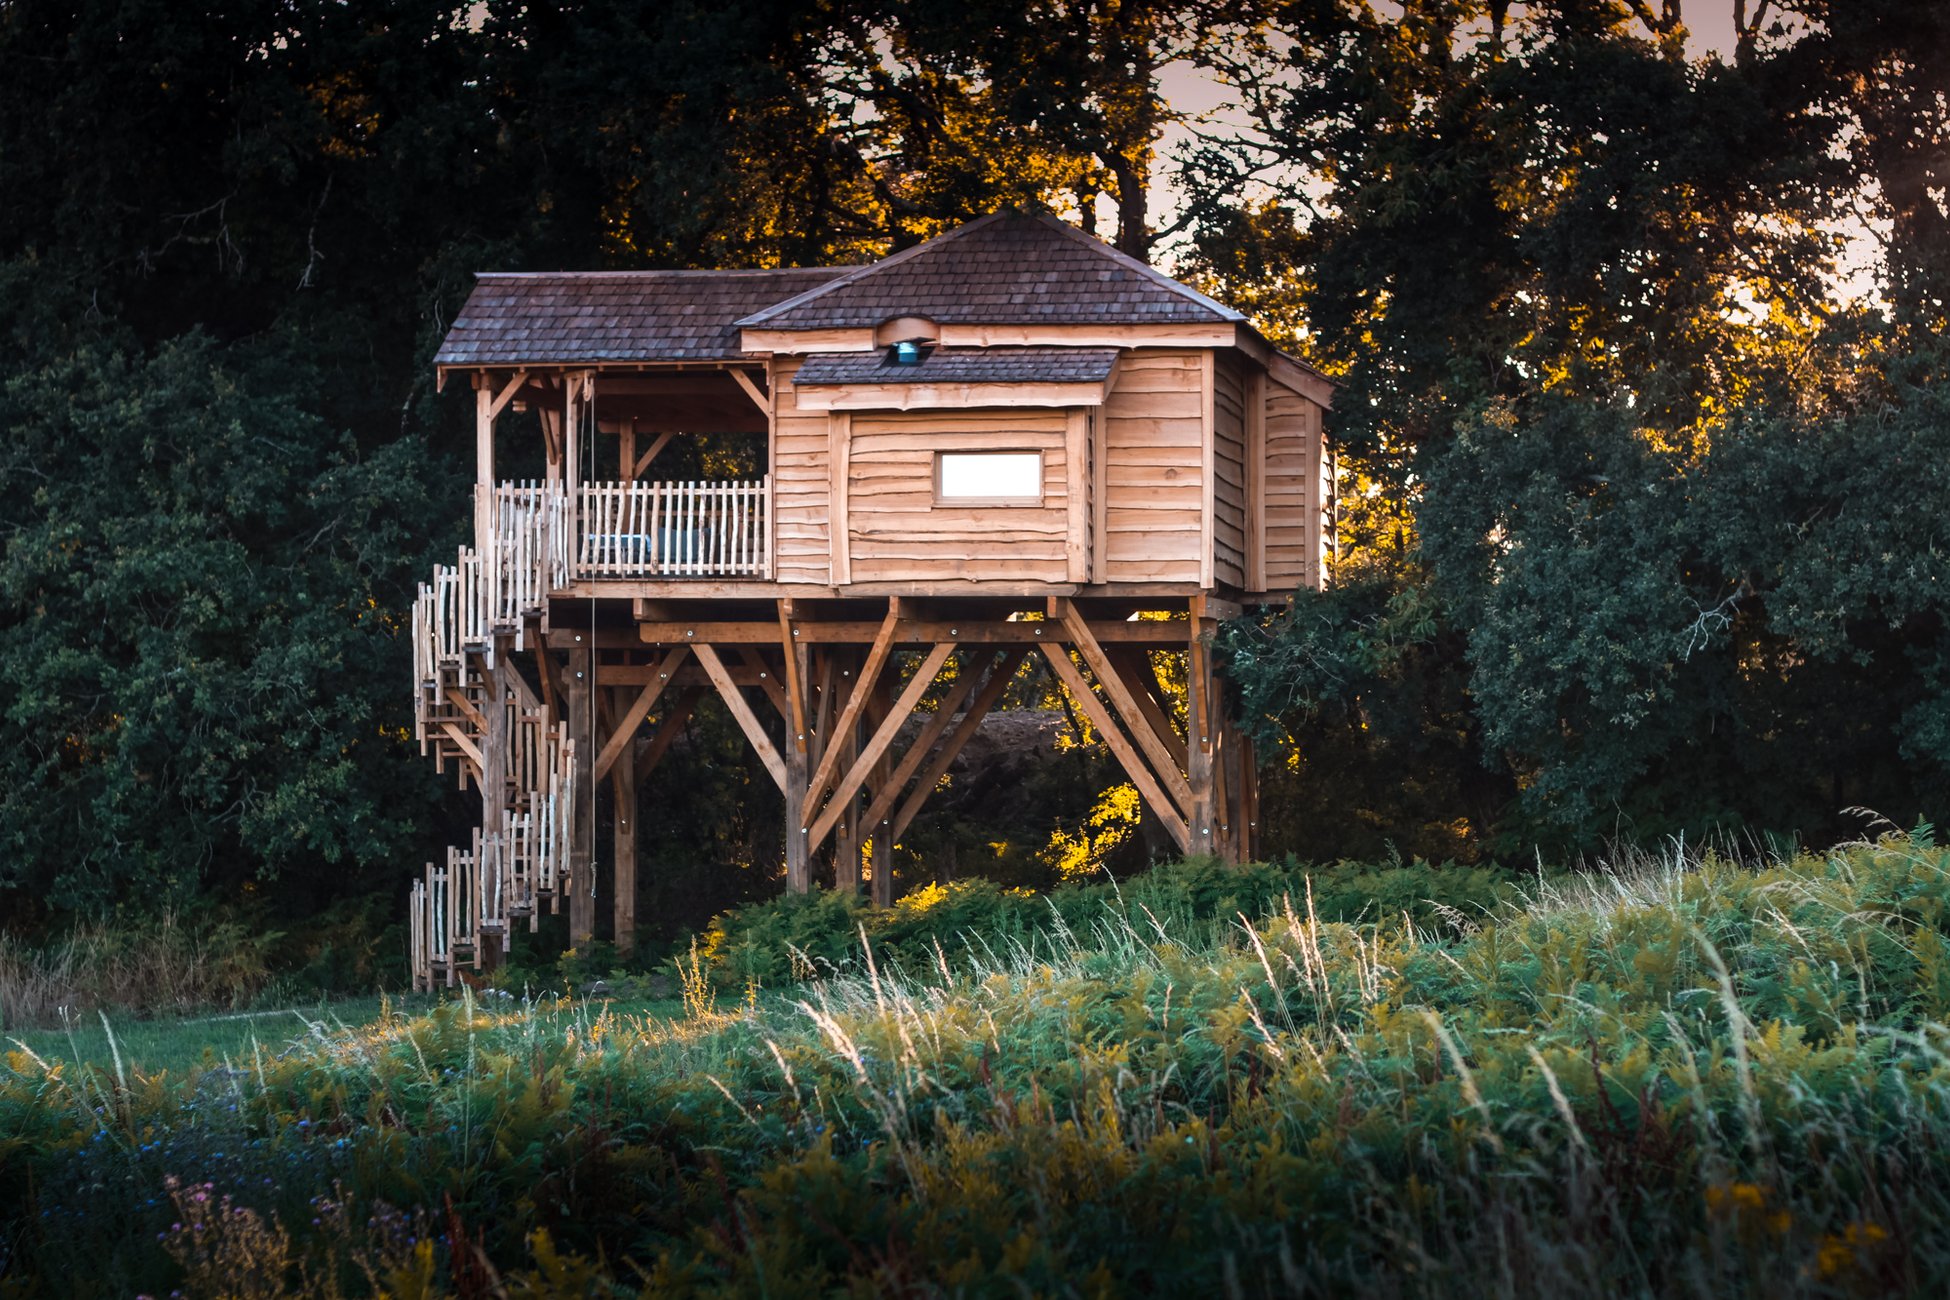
{"type": "Point", "coordinates": [674, 530]}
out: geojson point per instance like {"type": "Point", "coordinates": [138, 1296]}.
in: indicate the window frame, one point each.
{"type": "Point", "coordinates": [941, 498]}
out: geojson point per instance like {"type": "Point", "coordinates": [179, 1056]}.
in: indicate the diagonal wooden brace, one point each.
{"type": "Point", "coordinates": [883, 737]}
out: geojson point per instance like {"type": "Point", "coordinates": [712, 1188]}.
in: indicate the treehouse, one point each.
{"type": "Point", "coordinates": [845, 504]}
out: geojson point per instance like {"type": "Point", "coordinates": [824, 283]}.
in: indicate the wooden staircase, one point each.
{"type": "Point", "coordinates": [473, 711]}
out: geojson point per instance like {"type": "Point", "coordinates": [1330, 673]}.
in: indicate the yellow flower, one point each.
{"type": "Point", "coordinates": [1734, 1198]}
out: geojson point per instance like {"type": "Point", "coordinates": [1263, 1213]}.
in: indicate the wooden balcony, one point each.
{"type": "Point", "coordinates": [673, 530]}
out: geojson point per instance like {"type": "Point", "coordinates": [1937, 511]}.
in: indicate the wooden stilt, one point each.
{"type": "Point", "coordinates": [1201, 745]}
{"type": "Point", "coordinates": [672, 723]}
{"type": "Point", "coordinates": [495, 742]}
{"type": "Point", "coordinates": [623, 790]}
{"type": "Point", "coordinates": [842, 750]}
{"type": "Point", "coordinates": [578, 690]}
{"type": "Point", "coordinates": [798, 765]}
{"type": "Point", "coordinates": [887, 720]}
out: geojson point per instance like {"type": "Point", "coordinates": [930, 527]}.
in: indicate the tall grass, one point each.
{"type": "Point", "coordinates": [1687, 1077]}
{"type": "Point", "coordinates": [160, 967]}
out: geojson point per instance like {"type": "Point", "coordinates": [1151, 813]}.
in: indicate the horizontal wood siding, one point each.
{"type": "Point", "coordinates": [898, 533]}
{"type": "Point", "coordinates": [802, 548]}
{"type": "Point", "coordinates": [1152, 451]}
{"type": "Point", "coordinates": [1297, 495]}
{"type": "Point", "coordinates": [1229, 470]}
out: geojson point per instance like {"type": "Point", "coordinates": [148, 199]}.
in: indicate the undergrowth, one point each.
{"type": "Point", "coordinates": [178, 963]}
{"type": "Point", "coordinates": [1688, 1077]}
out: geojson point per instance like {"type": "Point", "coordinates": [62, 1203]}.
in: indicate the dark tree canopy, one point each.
{"type": "Point", "coordinates": [1638, 500]}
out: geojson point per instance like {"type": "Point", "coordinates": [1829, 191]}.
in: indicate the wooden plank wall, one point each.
{"type": "Point", "coordinates": [1297, 493]}
{"type": "Point", "coordinates": [802, 545]}
{"type": "Point", "coordinates": [896, 531]}
{"type": "Point", "coordinates": [1153, 424]}
{"type": "Point", "coordinates": [1229, 469]}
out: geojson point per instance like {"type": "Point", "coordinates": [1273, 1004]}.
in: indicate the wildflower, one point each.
{"type": "Point", "coordinates": [1735, 1197]}
{"type": "Point", "coordinates": [1838, 1252]}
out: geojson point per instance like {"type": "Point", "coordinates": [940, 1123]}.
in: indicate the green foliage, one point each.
{"type": "Point", "coordinates": [1754, 633]}
{"type": "Point", "coordinates": [203, 596]}
{"type": "Point", "coordinates": [796, 937]}
{"type": "Point", "coordinates": [1682, 1078]}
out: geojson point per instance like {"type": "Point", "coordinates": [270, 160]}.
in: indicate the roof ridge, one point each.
{"type": "Point", "coordinates": [1037, 217]}
{"type": "Point", "coordinates": [862, 272]}
{"type": "Point", "coordinates": [658, 271]}
{"type": "Point", "coordinates": [1105, 248]}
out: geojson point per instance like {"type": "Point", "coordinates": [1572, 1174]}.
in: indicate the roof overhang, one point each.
{"type": "Point", "coordinates": [1217, 334]}
{"type": "Point", "coordinates": [923, 397]}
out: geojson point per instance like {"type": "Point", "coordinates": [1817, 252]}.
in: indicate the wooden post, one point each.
{"type": "Point", "coordinates": [494, 785]}
{"type": "Point", "coordinates": [880, 842]}
{"type": "Point", "coordinates": [483, 466]}
{"type": "Point", "coordinates": [578, 689]}
{"type": "Point", "coordinates": [622, 784]}
{"type": "Point", "coordinates": [1201, 719]}
{"type": "Point", "coordinates": [845, 742]}
{"type": "Point", "coordinates": [798, 755]}
{"type": "Point", "coordinates": [1245, 819]}
{"type": "Point", "coordinates": [798, 861]}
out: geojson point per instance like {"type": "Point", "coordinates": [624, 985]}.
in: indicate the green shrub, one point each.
{"type": "Point", "coordinates": [799, 936]}
{"type": "Point", "coordinates": [1681, 1078]}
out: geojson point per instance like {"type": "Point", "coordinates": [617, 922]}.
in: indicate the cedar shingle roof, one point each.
{"type": "Point", "coordinates": [572, 316]}
{"type": "Point", "coordinates": [1009, 268]}
{"type": "Point", "coordinates": [1040, 365]}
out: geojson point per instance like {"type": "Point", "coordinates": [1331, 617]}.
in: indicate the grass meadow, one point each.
{"type": "Point", "coordinates": [1681, 1076]}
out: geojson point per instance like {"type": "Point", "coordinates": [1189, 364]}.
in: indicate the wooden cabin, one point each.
{"type": "Point", "coordinates": [800, 493]}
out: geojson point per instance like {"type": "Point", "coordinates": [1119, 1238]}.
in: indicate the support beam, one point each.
{"type": "Point", "coordinates": [467, 746]}
{"type": "Point", "coordinates": [1126, 705]}
{"type": "Point", "coordinates": [1134, 766]}
{"type": "Point", "coordinates": [795, 675]}
{"type": "Point", "coordinates": [654, 749]}
{"type": "Point", "coordinates": [843, 747]}
{"type": "Point", "coordinates": [507, 394]}
{"type": "Point", "coordinates": [971, 721]}
{"type": "Point", "coordinates": [578, 689]}
{"type": "Point", "coordinates": [623, 789]}
{"type": "Point", "coordinates": [643, 461]}
{"type": "Point", "coordinates": [968, 676]}
{"type": "Point", "coordinates": [1134, 666]}
{"type": "Point", "coordinates": [1201, 717]}
{"type": "Point", "coordinates": [766, 680]}
{"type": "Point", "coordinates": [460, 701]}
{"type": "Point", "coordinates": [798, 840]}
{"type": "Point", "coordinates": [734, 700]}
{"type": "Point", "coordinates": [885, 715]}
{"type": "Point", "coordinates": [753, 391]}
{"type": "Point", "coordinates": [625, 732]}
{"type": "Point", "coordinates": [883, 646]}
{"type": "Point", "coordinates": [913, 632]}
{"type": "Point", "coordinates": [883, 737]}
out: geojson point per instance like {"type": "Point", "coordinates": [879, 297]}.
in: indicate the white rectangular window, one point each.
{"type": "Point", "coordinates": [989, 476]}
